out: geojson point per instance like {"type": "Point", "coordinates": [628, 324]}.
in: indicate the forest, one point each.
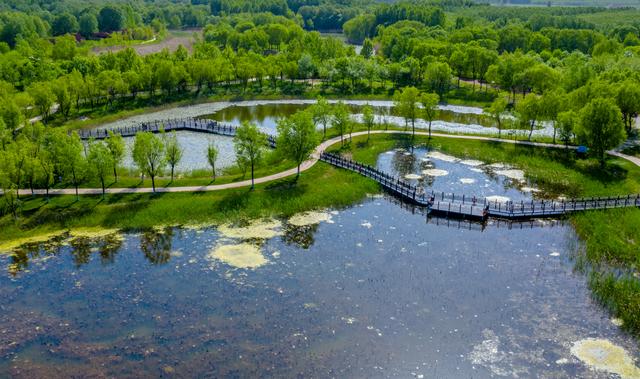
{"type": "Point", "coordinates": [555, 64]}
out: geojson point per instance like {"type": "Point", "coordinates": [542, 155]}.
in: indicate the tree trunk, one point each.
{"type": "Point", "coordinates": [533, 123]}
{"type": "Point", "coordinates": [252, 181]}
{"type": "Point", "coordinates": [102, 182]}
{"type": "Point", "coordinates": [172, 168]}
{"type": "Point", "coordinates": [115, 172]}
{"type": "Point", "coordinates": [429, 128]}
{"type": "Point", "coordinates": [153, 183]}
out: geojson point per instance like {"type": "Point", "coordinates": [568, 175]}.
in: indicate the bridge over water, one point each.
{"type": "Point", "coordinates": [464, 206]}
{"type": "Point", "coordinates": [449, 205]}
{"type": "Point", "coordinates": [159, 126]}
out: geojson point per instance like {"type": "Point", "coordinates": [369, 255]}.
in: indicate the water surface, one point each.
{"type": "Point", "coordinates": [374, 290]}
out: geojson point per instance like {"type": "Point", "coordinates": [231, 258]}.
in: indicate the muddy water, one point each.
{"type": "Point", "coordinates": [372, 290]}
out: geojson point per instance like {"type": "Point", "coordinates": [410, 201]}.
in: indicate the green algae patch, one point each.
{"type": "Point", "coordinates": [601, 354]}
{"type": "Point", "coordinates": [259, 229]}
{"type": "Point", "coordinates": [11, 245]}
{"type": "Point", "coordinates": [242, 255]}
{"type": "Point", "coordinates": [94, 233]}
{"type": "Point", "coordinates": [309, 218]}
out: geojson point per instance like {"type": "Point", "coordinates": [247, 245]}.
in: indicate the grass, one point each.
{"type": "Point", "coordinates": [320, 187]}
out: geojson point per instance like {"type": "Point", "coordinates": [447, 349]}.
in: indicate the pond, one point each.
{"type": "Point", "coordinates": [372, 290]}
{"type": "Point", "coordinates": [265, 113]}
{"type": "Point", "coordinates": [437, 172]}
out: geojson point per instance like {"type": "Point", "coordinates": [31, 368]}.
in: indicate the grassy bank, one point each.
{"type": "Point", "coordinates": [611, 245]}
{"type": "Point", "coordinates": [320, 187]}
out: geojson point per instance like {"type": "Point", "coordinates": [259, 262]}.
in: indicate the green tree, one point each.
{"type": "Point", "coordinates": [88, 25]}
{"type": "Point", "coordinates": [212, 157]}
{"type": "Point", "coordinates": [11, 114]}
{"type": "Point", "coordinates": [497, 110]}
{"type": "Point", "coordinates": [601, 127]}
{"type": "Point", "coordinates": [110, 19]}
{"type": "Point", "coordinates": [43, 98]}
{"type": "Point", "coordinates": [100, 162]}
{"type": "Point", "coordinates": [249, 144]}
{"type": "Point", "coordinates": [530, 111]}
{"type": "Point", "coordinates": [71, 159]}
{"type": "Point", "coordinates": [628, 100]}
{"type": "Point", "coordinates": [341, 119]}
{"type": "Point", "coordinates": [429, 107]}
{"type": "Point", "coordinates": [116, 146]}
{"type": "Point", "coordinates": [438, 77]}
{"type": "Point", "coordinates": [567, 122]}
{"type": "Point", "coordinates": [297, 137]}
{"type": "Point", "coordinates": [406, 104]}
{"type": "Point", "coordinates": [552, 103]}
{"type": "Point", "coordinates": [149, 155]}
{"type": "Point", "coordinates": [367, 49]}
{"type": "Point", "coordinates": [368, 119]}
{"type": "Point", "coordinates": [174, 152]}
{"type": "Point", "coordinates": [322, 114]}
{"type": "Point", "coordinates": [65, 23]}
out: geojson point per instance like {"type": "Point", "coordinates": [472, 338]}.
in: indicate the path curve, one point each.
{"type": "Point", "coordinates": [305, 166]}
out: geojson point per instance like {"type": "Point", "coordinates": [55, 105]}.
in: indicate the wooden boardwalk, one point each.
{"type": "Point", "coordinates": [158, 126]}
{"type": "Point", "coordinates": [462, 206]}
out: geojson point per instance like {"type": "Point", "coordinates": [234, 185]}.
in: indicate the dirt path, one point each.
{"type": "Point", "coordinates": [171, 42]}
{"type": "Point", "coordinates": [305, 166]}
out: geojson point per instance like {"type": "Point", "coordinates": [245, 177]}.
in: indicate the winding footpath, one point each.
{"type": "Point", "coordinates": [305, 166]}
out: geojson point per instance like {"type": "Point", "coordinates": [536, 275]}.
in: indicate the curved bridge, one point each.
{"type": "Point", "coordinates": [160, 126]}
{"type": "Point", "coordinates": [464, 206]}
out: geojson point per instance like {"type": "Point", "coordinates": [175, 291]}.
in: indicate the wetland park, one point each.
{"type": "Point", "coordinates": [319, 189]}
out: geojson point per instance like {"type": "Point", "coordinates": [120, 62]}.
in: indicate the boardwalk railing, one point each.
{"type": "Point", "coordinates": [158, 126]}
{"type": "Point", "coordinates": [471, 207]}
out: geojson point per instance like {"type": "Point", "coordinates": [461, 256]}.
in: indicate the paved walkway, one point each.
{"type": "Point", "coordinates": [291, 172]}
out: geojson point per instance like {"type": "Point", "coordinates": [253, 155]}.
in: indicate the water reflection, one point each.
{"type": "Point", "coordinates": [438, 172]}
{"type": "Point", "coordinates": [382, 291]}
{"type": "Point", "coordinates": [156, 245]}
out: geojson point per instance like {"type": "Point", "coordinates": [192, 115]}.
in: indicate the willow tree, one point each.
{"type": "Point", "coordinates": [297, 137]}
{"type": "Point", "coordinates": [406, 104]}
{"type": "Point", "coordinates": [497, 111]}
{"type": "Point", "coordinates": [341, 120]}
{"type": "Point", "coordinates": [429, 108]}
{"type": "Point", "coordinates": [368, 119]}
{"type": "Point", "coordinates": [174, 152]}
{"type": "Point", "coordinates": [115, 144]}
{"type": "Point", "coordinates": [601, 127]}
{"type": "Point", "coordinates": [100, 162]}
{"type": "Point", "coordinates": [149, 155]}
{"type": "Point", "coordinates": [212, 157]}
{"type": "Point", "coordinates": [249, 144]}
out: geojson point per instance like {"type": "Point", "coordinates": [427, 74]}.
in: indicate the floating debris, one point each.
{"type": "Point", "coordinates": [601, 354]}
{"type": "Point", "coordinates": [443, 157]}
{"type": "Point", "coordinates": [472, 162]}
{"type": "Point", "coordinates": [366, 224]}
{"type": "Point", "coordinates": [529, 189]}
{"type": "Point", "coordinates": [243, 255]}
{"type": "Point", "coordinates": [512, 174]}
{"type": "Point", "coordinates": [435, 172]}
{"type": "Point", "coordinates": [310, 218]}
{"type": "Point", "coordinates": [467, 180]}
{"type": "Point", "coordinates": [617, 321]}
{"type": "Point", "coordinates": [412, 177]}
{"type": "Point", "coordinates": [261, 229]}
{"type": "Point", "coordinates": [499, 199]}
